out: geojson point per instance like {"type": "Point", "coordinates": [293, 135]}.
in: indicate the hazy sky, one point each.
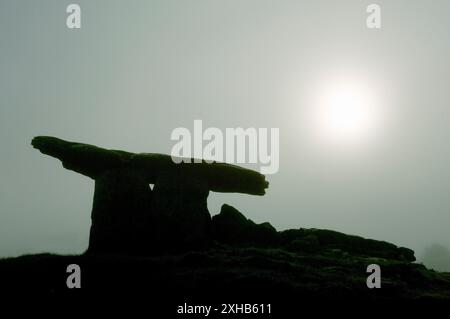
{"type": "Point", "coordinates": [138, 69]}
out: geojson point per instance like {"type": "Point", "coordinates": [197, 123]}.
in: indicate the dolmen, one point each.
{"type": "Point", "coordinates": [147, 203]}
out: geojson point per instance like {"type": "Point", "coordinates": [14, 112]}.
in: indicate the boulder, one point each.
{"type": "Point", "coordinates": [231, 227]}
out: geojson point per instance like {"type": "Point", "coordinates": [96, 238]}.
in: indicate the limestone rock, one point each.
{"type": "Point", "coordinates": [182, 218]}
{"type": "Point", "coordinates": [122, 219]}
{"type": "Point", "coordinates": [231, 227]}
{"type": "Point", "coordinates": [93, 161]}
{"type": "Point", "coordinates": [323, 239]}
{"type": "Point", "coordinates": [130, 218]}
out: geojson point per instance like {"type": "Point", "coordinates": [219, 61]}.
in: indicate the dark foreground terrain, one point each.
{"type": "Point", "coordinates": [244, 272]}
{"type": "Point", "coordinates": [247, 260]}
{"type": "Point", "coordinates": [292, 283]}
{"type": "Point", "coordinates": [246, 263]}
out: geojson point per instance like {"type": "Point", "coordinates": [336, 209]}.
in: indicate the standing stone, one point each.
{"type": "Point", "coordinates": [122, 219]}
{"type": "Point", "coordinates": [181, 211]}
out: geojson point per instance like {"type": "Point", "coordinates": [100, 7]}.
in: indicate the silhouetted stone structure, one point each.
{"type": "Point", "coordinates": [128, 217]}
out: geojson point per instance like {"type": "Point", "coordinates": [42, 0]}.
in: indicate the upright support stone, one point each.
{"type": "Point", "coordinates": [181, 211]}
{"type": "Point", "coordinates": [122, 218]}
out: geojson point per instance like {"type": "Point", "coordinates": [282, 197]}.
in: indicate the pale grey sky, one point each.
{"type": "Point", "coordinates": [138, 69]}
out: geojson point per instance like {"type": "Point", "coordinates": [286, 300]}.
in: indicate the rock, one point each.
{"type": "Point", "coordinates": [232, 227]}
{"type": "Point", "coordinates": [93, 161]}
{"type": "Point", "coordinates": [122, 219]}
{"type": "Point", "coordinates": [182, 218]}
{"type": "Point", "coordinates": [128, 217]}
{"type": "Point", "coordinates": [323, 239]}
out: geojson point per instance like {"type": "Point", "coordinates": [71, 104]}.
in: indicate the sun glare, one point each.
{"type": "Point", "coordinates": [345, 112]}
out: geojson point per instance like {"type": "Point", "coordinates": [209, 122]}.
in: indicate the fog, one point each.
{"type": "Point", "coordinates": [137, 70]}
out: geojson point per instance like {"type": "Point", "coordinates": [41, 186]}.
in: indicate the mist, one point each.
{"type": "Point", "coordinates": [137, 70]}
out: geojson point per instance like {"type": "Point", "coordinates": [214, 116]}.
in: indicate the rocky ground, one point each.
{"type": "Point", "coordinates": [247, 260]}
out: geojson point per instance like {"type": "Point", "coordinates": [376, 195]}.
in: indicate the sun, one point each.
{"type": "Point", "coordinates": [345, 112]}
